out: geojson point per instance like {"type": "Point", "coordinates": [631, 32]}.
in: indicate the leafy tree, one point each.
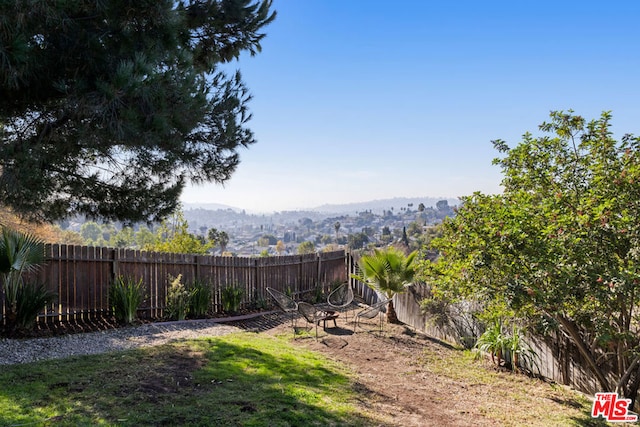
{"type": "Point", "coordinates": [124, 238]}
{"type": "Point", "coordinates": [108, 231]}
{"type": "Point", "coordinates": [337, 226]}
{"type": "Point", "coordinates": [218, 238]}
{"type": "Point", "coordinates": [280, 247]}
{"type": "Point", "coordinates": [414, 229]}
{"type": "Point", "coordinates": [386, 236]}
{"type": "Point", "coordinates": [91, 232]}
{"type": "Point", "coordinates": [267, 240]}
{"type": "Point", "coordinates": [307, 223]}
{"type": "Point", "coordinates": [306, 247]}
{"type": "Point", "coordinates": [45, 231]}
{"type": "Point", "coordinates": [223, 241]}
{"type": "Point", "coordinates": [68, 237]}
{"type": "Point", "coordinates": [110, 107]}
{"type": "Point", "coordinates": [173, 236]}
{"type": "Point", "coordinates": [388, 271]}
{"type": "Point", "coordinates": [357, 240]}
{"type": "Point", "coordinates": [144, 238]}
{"type": "Point", "coordinates": [561, 245]}
{"type": "Point", "coordinates": [331, 247]}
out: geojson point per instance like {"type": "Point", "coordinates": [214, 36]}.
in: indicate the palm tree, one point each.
{"type": "Point", "coordinates": [19, 253]}
{"type": "Point", "coordinates": [388, 271]}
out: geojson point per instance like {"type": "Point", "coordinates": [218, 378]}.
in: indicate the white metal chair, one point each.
{"type": "Point", "coordinates": [285, 303]}
{"type": "Point", "coordinates": [378, 309]}
{"type": "Point", "coordinates": [341, 297]}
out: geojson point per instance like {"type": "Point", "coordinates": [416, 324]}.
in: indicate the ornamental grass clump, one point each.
{"type": "Point", "coordinates": [199, 299]}
{"type": "Point", "coordinates": [231, 298]}
{"type": "Point", "coordinates": [178, 299]}
{"type": "Point", "coordinates": [125, 297]}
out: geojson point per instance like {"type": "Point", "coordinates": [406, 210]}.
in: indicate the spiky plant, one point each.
{"type": "Point", "coordinates": [125, 297]}
{"type": "Point", "coordinates": [20, 253]}
{"type": "Point", "coordinates": [388, 271]}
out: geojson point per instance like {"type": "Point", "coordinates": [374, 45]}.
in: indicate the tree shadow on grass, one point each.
{"type": "Point", "coordinates": [234, 380]}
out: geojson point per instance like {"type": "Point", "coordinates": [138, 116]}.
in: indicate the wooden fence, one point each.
{"type": "Point", "coordinates": [558, 358]}
{"type": "Point", "coordinates": [81, 276]}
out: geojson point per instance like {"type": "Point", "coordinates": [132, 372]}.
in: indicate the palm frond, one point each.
{"type": "Point", "coordinates": [387, 271]}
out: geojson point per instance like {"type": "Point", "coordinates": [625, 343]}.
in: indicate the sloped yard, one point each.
{"type": "Point", "coordinates": [412, 380]}
{"type": "Point", "coordinates": [393, 378]}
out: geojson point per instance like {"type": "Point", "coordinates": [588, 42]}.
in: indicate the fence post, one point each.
{"type": "Point", "coordinates": [115, 267]}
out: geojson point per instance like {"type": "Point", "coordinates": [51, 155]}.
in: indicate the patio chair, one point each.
{"type": "Point", "coordinates": [286, 304]}
{"type": "Point", "coordinates": [377, 309]}
{"type": "Point", "coordinates": [341, 297]}
{"type": "Point", "coordinates": [315, 315]}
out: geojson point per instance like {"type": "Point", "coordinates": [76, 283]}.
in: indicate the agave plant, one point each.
{"type": "Point", "coordinates": [21, 253]}
{"type": "Point", "coordinates": [388, 271]}
{"type": "Point", "coordinates": [494, 342]}
{"type": "Point", "coordinates": [508, 348]}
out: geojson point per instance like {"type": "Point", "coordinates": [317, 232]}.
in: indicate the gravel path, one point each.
{"type": "Point", "coordinates": [14, 351]}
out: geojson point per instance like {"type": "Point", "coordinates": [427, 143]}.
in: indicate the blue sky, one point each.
{"type": "Point", "coordinates": [359, 100]}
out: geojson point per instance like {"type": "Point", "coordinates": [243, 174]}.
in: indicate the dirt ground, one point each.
{"type": "Point", "coordinates": [397, 382]}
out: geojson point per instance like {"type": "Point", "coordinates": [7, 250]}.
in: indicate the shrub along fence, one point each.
{"type": "Point", "coordinates": [81, 276]}
{"type": "Point", "coordinates": [557, 359]}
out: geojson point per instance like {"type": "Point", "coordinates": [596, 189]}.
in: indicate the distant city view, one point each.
{"type": "Point", "coordinates": [352, 226]}
{"type": "Point", "coordinates": [231, 231]}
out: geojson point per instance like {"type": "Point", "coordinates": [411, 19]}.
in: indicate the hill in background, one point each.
{"type": "Point", "coordinates": [378, 206]}
{"type": "Point", "coordinates": [375, 206]}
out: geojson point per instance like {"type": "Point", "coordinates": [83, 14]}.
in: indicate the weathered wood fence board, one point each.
{"type": "Point", "coordinates": [558, 358]}
{"type": "Point", "coordinates": [81, 277]}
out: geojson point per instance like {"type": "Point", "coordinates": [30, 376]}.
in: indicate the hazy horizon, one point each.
{"type": "Point", "coordinates": [356, 101]}
{"type": "Point", "coordinates": [377, 204]}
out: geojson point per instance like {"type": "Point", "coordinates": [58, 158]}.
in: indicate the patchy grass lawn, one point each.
{"type": "Point", "coordinates": [397, 378]}
{"type": "Point", "coordinates": [241, 379]}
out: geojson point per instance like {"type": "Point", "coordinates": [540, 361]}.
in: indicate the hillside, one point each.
{"type": "Point", "coordinates": [378, 206]}
{"type": "Point", "coordinates": [375, 206]}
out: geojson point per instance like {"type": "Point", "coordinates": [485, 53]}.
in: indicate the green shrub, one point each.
{"type": "Point", "coordinates": [508, 348]}
{"type": "Point", "coordinates": [19, 253]}
{"type": "Point", "coordinates": [318, 294]}
{"type": "Point", "coordinates": [125, 297]}
{"type": "Point", "coordinates": [199, 299]}
{"type": "Point", "coordinates": [178, 299]}
{"type": "Point", "coordinates": [259, 303]}
{"type": "Point", "coordinates": [31, 299]}
{"type": "Point", "coordinates": [231, 298]}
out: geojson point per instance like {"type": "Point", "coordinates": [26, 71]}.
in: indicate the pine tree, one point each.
{"type": "Point", "coordinates": [109, 108]}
